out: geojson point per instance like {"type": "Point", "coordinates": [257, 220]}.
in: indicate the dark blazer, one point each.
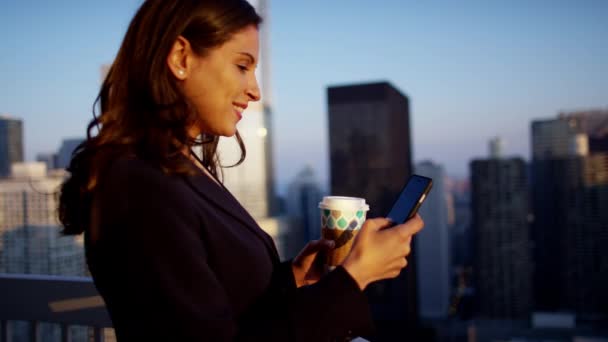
{"type": "Point", "coordinates": [177, 258]}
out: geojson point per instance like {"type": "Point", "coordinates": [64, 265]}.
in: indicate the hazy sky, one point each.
{"type": "Point", "coordinates": [472, 69]}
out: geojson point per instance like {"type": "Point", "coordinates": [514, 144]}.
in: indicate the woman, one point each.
{"type": "Point", "coordinates": [173, 254]}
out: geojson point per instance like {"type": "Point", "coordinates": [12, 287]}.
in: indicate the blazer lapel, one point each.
{"type": "Point", "coordinates": [225, 201]}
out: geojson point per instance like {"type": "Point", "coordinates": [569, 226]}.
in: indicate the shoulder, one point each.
{"type": "Point", "coordinates": [133, 178]}
{"type": "Point", "coordinates": [126, 168]}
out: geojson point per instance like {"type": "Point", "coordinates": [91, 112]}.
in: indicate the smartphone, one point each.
{"type": "Point", "coordinates": [413, 194]}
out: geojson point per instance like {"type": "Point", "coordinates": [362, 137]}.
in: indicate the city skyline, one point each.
{"type": "Point", "coordinates": [470, 71]}
{"type": "Point", "coordinates": [482, 69]}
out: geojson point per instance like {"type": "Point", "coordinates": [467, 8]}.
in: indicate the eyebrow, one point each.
{"type": "Point", "coordinates": [252, 59]}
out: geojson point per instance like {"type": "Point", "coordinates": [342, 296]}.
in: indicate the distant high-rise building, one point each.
{"type": "Point", "coordinates": [31, 241]}
{"type": "Point", "coordinates": [570, 218]}
{"type": "Point", "coordinates": [461, 237]}
{"type": "Point", "coordinates": [558, 138]}
{"type": "Point", "coordinates": [11, 143]}
{"type": "Point", "coordinates": [370, 157]}
{"type": "Point", "coordinates": [50, 159]}
{"type": "Point", "coordinates": [570, 134]}
{"type": "Point", "coordinates": [64, 155]}
{"type": "Point", "coordinates": [287, 239]}
{"type": "Point", "coordinates": [303, 197]}
{"type": "Point", "coordinates": [569, 197]}
{"type": "Point", "coordinates": [593, 123]}
{"type": "Point", "coordinates": [496, 147]}
{"type": "Point", "coordinates": [433, 248]}
{"type": "Point", "coordinates": [252, 182]}
{"type": "Point", "coordinates": [503, 264]}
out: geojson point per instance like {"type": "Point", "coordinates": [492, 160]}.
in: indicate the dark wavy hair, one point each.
{"type": "Point", "coordinates": [143, 112]}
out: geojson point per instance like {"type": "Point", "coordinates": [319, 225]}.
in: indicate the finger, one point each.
{"type": "Point", "coordinates": [313, 247]}
{"type": "Point", "coordinates": [304, 260]}
{"type": "Point", "coordinates": [407, 249]}
{"type": "Point", "coordinates": [320, 244]}
{"type": "Point", "coordinates": [305, 251]}
{"type": "Point", "coordinates": [410, 227]}
{"type": "Point", "coordinates": [377, 223]}
{"type": "Point", "coordinates": [399, 263]}
{"type": "Point", "coordinates": [327, 244]}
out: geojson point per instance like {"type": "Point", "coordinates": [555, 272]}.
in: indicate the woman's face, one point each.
{"type": "Point", "coordinates": [222, 83]}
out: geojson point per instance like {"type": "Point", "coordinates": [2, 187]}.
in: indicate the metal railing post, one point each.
{"type": "Point", "coordinates": [65, 333]}
{"type": "Point", "coordinates": [34, 331]}
{"type": "Point", "coordinates": [6, 331]}
{"type": "Point", "coordinates": [98, 334]}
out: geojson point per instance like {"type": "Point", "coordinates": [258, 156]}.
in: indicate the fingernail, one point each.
{"type": "Point", "coordinates": [331, 244]}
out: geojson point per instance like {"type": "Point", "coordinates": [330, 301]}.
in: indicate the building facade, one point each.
{"type": "Point", "coordinates": [503, 262]}
{"type": "Point", "coordinates": [569, 200]}
{"type": "Point", "coordinates": [31, 242]}
{"type": "Point", "coordinates": [433, 248]}
{"type": "Point", "coordinates": [11, 143]}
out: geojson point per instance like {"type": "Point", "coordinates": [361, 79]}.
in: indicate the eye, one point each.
{"type": "Point", "coordinates": [242, 68]}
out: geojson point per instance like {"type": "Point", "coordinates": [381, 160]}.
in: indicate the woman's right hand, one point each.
{"type": "Point", "coordinates": [379, 253]}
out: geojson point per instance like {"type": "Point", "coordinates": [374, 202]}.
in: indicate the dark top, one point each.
{"type": "Point", "coordinates": [177, 258]}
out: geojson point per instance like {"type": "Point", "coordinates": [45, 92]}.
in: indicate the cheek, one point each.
{"type": "Point", "coordinates": [232, 82]}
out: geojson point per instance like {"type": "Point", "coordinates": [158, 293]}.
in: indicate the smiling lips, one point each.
{"type": "Point", "coordinates": [238, 109]}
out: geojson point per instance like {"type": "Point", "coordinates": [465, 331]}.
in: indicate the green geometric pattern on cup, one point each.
{"type": "Point", "coordinates": [342, 219]}
{"type": "Point", "coordinates": [331, 223]}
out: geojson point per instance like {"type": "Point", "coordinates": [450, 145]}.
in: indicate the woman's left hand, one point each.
{"type": "Point", "coordinates": [307, 270]}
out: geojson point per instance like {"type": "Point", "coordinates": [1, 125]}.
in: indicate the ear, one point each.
{"type": "Point", "coordinates": [178, 60]}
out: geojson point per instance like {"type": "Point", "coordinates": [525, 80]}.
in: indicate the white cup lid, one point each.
{"type": "Point", "coordinates": [343, 203]}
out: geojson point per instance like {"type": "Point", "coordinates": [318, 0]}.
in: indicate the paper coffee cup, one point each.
{"type": "Point", "coordinates": [341, 220]}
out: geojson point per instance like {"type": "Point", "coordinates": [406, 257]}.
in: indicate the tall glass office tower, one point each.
{"type": "Point", "coordinates": [252, 181]}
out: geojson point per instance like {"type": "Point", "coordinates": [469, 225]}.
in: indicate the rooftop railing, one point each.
{"type": "Point", "coordinates": [66, 301]}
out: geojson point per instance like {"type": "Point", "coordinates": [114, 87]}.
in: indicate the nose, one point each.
{"type": "Point", "coordinates": [253, 91]}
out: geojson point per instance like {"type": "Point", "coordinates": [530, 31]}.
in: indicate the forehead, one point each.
{"type": "Point", "coordinates": [245, 40]}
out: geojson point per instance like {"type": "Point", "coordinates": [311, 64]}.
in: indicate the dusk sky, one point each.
{"type": "Point", "coordinates": [471, 69]}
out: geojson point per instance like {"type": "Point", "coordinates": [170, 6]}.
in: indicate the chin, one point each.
{"type": "Point", "coordinates": [223, 131]}
{"type": "Point", "coordinates": [228, 133]}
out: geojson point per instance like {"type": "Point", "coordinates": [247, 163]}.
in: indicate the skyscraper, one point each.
{"type": "Point", "coordinates": [496, 147]}
{"type": "Point", "coordinates": [64, 155]}
{"type": "Point", "coordinates": [369, 142]}
{"type": "Point", "coordinates": [593, 123]}
{"type": "Point", "coordinates": [11, 143]}
{"type": "Point", "coordinates": [503, 263]}
{"type": "Point", "coordinates": [303, 197]}
{"type": "Point", "coordinates": [569, 196]}
{"type": "Point", "coordinates": [252, 182]}
{"type": "Point", "coordinates": [555, 139]}
{"type": "Point", "coordinates": [433, 249]}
